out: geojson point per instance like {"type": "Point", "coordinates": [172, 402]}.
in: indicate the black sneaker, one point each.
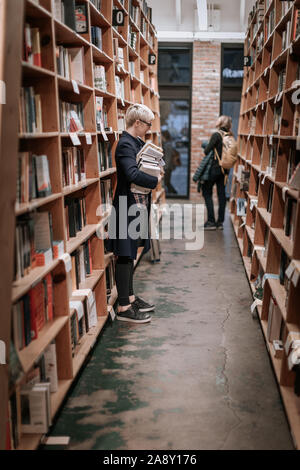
{"type": "Point", "coordinates": [219, 226]}
{"type": "Point", "coordinates": [209, 226]}
{"type": "Point", "coordinates": [142, 305]}
{"type": "Point", "coordinates": [133, 315]}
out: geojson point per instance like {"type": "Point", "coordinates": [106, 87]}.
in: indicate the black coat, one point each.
{"type": "Point", "coordinates": [127, 173]}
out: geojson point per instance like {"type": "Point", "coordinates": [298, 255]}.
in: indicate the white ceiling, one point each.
{"type": "Point", "coordinates": [164, 17]}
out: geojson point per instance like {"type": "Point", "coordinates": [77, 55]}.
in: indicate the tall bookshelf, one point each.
{"type": "Point", "coordinates": [121, 57]}
{"type": "Point", "coordinates": [265, 208]}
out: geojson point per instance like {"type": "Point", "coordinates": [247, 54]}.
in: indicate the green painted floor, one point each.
{"type": "Point", "coordinates": [197, 377]}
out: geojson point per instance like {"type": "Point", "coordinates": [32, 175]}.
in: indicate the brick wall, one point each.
{"type": "Point", "coordinates": [205, 100]}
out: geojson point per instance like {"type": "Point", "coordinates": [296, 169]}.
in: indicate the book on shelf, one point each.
{"type": "Point", "coordinates": [289, 220]}
{"type": "Point", "coordinates": [285, 6]}
{"type": "Point", "coordinates": [121, 120]}
{"type": "Point", "coordinates": [70, 63]}
{"type": "Point", "coordinates": [81, 18]}
{"type": "Point", "coordinates": [33, 177]}
{"type": "Point", "coordinates": [277, 119]}
{"type": "Point", "coordinates": [71, 116]}
{"type": "Point", "coordinates": [296, 24]}
{"type": "Point", "coordinates": [31, 313]}
{"type": "Point", "coordinates": [132, 37]}
{"type": "Point", "coordinates": [73, 166]}
{"type": "Point", "coordinates": [30, 111]}
{"type": "Point", "coordinates": [89, 305]}
{"type": "Point", "coordinates": [81, 264]}
{"type": "Point", "coordinates": [97, 36]}
{"type": "Point", "coordinates": [64, 11]}
{"type": "Point", "coordinates": [295, 178]}
{"type": "Point", "coordinates": [15, 368]}
{"type": "Point", "coordinates": [284, 263]}
{"type": "Point", "coordinates": [281, 80]}
{"type": "Point", "coordinates": [97, 4]}
{"type": "Point", "coordinates": [132, 67]}
{"type": "Point", "coordinates": [120, 87]}
{"type": "Point", "coordinates": [296, 122]}
{"type": "Point", "coordinates": [241, 205]}
{"type": "Point", "coordinates": [270, 23]}
{"type": "Point", "coordinates": [245, 179]}
{"type": "Point", "coordinates": [266, 242]}
{"type": "Point", "coordinates": [270, 170]}
{"type": "Point", "coordinates": [293, 162]}
{"type": "Point", "coordinates": [75, 211]}
{"type": "Point", "coordinates": [100, 77]}
{"type": "Point", "coordinates": [134, 12]}
{"type": "Point", "coordinates": [35, 408]}
{"type": "Point", "coordinates": [106, 194]}
{"type": "Point", "coordinates": [32, 46]}
{"type": "Point", "coordinates": [274, 321]}
{"type": "Point", "coordinates": [104, 155]}
{"type": "Point", "coordinates": [286, 34]}
{"type": "Point", "coordinates": [270, 198]}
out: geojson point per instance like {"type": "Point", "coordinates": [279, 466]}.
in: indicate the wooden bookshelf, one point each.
{"type": "Point", "coordinates": [268, 233]}
{"type": "Point", "coordinates": [49, 79]}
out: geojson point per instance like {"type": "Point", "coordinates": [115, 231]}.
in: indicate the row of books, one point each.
{"type": "Point", "coordinates": [104, 155]}
{"type": "Point", "coordinates": [34, 243]}
{"type": "Point", "coordinates": [289, 219]}
{"type": "Point", "coordinates": [281, 80]}
{"type": "Point", "coordinates": [286, 34]}
{"type": "Point", "coordinates": [72, 14]}
{"type": "Point", "coordinates": [32, 45]}
{"type": "Point", "coordinates": [75, 215]}
{"type": "Point", "coordinates": [100, 77]}
{"type": "Point", "coordinates": [96, 33]}
{"type": "Point", "coordinates": [71, 116]}
{"type": "Point", "coordinates": [150, 161]}
{"type": "Point", "coordinates": [73, 165]}
{"type": "Point", "coordinates": [101, 114]}
{"type": "Point", "coordinates": [97, 4]}
{"type": "Point", "coordinates": [30, 111]}
{"type": "Point", "coordinates": [29, 409]}
{"type": "Point", "coordinates": [132, 37]}
{"type": "Point", "coordinates": [106, 193]}
{"type": "Point", "coordinates": [84, 317]}
{"type": "Point", "coordinates": [134, 12]}
{"type": "Point", "coordinates": [81, 264]}
{"type": "Point", "coordinates": [70, 63]}
{"type": "Point", "coordinates": [33, 177]}
{"type": "Point", "coordinates": [146, 10]}
{"type": "Point", "coordinates": [120, 87]}
{"type": "Point", "coordinates": [31, 313]}
{"type": "Point", "coordinates": [121, 120]}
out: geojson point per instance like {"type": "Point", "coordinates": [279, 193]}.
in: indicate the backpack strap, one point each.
{"type": "Point", "coordinates": [218, 158]}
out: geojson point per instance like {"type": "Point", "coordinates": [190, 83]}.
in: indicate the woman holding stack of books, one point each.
{"type": "Point", "coordinates": [135, 186]}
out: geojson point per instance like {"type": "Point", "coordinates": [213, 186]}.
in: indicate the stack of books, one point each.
{"type": "Point", "coordinates": [150, 161]}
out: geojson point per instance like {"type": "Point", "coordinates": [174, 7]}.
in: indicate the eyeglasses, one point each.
{"type": "Point", "coordinates": [148, 123]}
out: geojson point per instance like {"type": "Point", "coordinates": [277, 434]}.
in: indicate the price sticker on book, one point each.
{"type": "Point", "coordinates": [88, 138]}
{"type": "Point", "coordinates": [122, 101]}
{"type": "Point", "coordinates": [284, 190]}
{"type": "Point", "coordinates": [103, 132]}
{"type": "Point", "coordinates": [271, 139]}
{"type": "Point", "coordinates": [112, 313]}
{"type": "Point", "coordinates": [75, 139]}
{"type": "Point", "coordinates": [75, 87]}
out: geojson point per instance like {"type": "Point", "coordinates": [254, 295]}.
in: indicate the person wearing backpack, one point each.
{"type": "Point", "coordinates": [224, 149]}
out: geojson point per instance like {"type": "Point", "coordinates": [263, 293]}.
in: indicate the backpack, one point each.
{"type": "Point", "coordinates": [229, 150]}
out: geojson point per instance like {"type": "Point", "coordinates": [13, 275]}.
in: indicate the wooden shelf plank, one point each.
{"type": "Point", "coordinates": [30, 353]}
{"type": "Point", "coordinates": [23, 208]}
{"type": "Point", "coordinates": [76, 187]}
{"type": "Point", "coordinates": [22, 286]}
{"type": "Point", "coordinates": [81, 237]}
{"type": "Point", "coordinates": [92, 280]}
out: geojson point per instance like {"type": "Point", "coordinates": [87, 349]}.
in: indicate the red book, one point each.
{"type": "Point", "coordinates": [37, 312]}
{"type": "Point", "coordinates": [50, 296]}
{"type": "Point", "coordinates": [90, 255]}
{"type": "Point", "coordinates": [296, 18]}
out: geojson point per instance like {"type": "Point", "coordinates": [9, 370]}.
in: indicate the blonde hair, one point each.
{"type": "Point", "coordinates": [138, 111]}
{"type": "Point", "coordinates": [224, 121]}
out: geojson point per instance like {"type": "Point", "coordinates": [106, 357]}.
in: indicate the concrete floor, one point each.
{"type": "Point", "coordinates": [197, 377]}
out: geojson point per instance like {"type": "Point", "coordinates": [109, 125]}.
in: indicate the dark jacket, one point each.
{"type": "Point", "coordinates": [127, 173]}
{"type": "Point", "coordinates": [216, 142]}
{"type": "Point", "coordinates": [203, 171]}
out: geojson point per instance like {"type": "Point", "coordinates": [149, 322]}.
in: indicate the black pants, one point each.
{"type": "Point", "coordinates": [124, 279]}
{"type": "Point", "coordinates": [207, 194]}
